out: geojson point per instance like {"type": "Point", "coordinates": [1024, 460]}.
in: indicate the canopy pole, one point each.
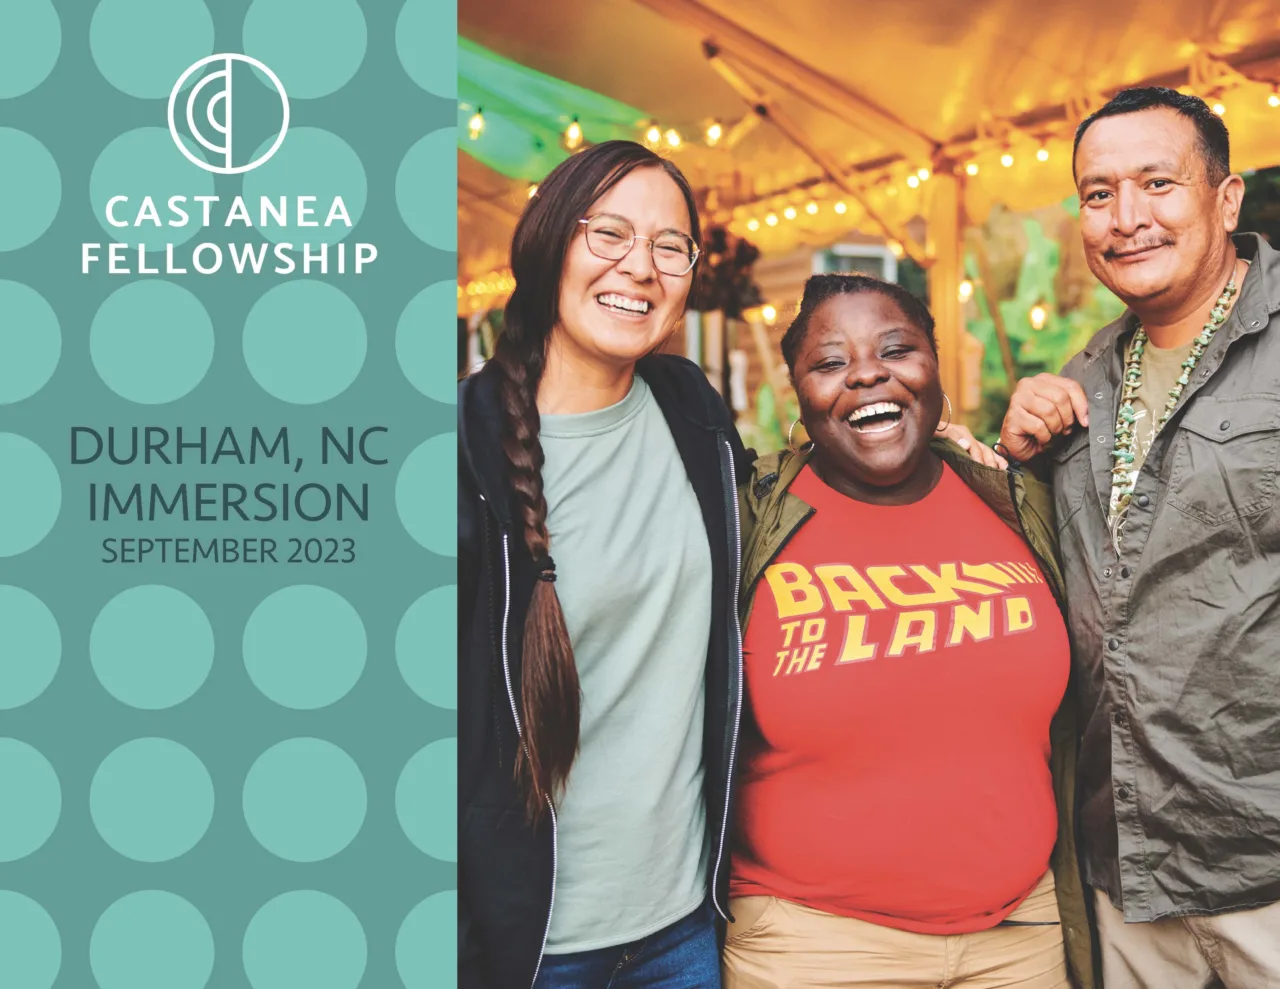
{"type": "Point", "coordinates": [945, 247]}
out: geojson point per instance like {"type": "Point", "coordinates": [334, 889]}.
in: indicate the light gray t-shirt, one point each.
{"type": "Point", "coordinates": [633, 573]}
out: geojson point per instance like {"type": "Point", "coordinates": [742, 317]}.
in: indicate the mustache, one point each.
{"type": "Point", "coordinates": [1142, 245]}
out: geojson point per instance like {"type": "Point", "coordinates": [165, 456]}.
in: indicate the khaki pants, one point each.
{"type": "Point", "coordinates": [1239, 950]}
{"type": "Point", "coordinates": [774, 944]}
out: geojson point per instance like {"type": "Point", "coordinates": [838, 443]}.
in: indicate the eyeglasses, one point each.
{"type": "Point", "coordinates": [612, 237]}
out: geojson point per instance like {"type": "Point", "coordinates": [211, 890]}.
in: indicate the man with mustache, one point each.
{"type": "Point", "coordinates": [1162, 438]}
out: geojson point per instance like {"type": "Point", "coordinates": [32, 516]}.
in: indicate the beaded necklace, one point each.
{"type": "Point", "coordinates": [1123, 476]}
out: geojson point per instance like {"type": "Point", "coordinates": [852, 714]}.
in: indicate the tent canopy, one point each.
{"type": "Point", "coordinates": [875, 93]}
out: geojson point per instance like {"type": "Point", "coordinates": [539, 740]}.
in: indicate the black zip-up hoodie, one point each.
{"type": "Point", "coordinates": [506, 869]}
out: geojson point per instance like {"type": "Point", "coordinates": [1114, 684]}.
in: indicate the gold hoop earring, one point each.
{"type": "Point", "coordinates": [790, 442]}
{"type": "Point", "coordinates": [943, 427]}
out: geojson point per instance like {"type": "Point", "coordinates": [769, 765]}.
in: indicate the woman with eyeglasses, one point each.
{"type": "Point", "coordinates": [599, 671]}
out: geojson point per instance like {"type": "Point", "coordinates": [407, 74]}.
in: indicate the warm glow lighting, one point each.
{"type": "Point", "coordinates": [1038, 316]}
{"type": "Point", "coordinates": [769, 314]}
{"type": "Point", "coordinates": [924, 174]}
{"type": "Point", "coordinates": [913, 181]}
{"type": "Point", "coordinates": [653, 135]}
{"type": "Point", "coordinates": [1006, 160]}
{"type": "Point", "coordinates": [771, 219]}
{"type": "Point", "coordinates": [1042, 154]}
{"type": "Point", "coordinates": [533, 190]}
{"type": "Point", "coordinates": [714, 133]}
{"type": "Point", "coordinates": [1273, 100]}
{"type": "Point", "coordinates": [811, 208]}
{"type": "Point", "coordinates": [896, 249]}
{"type": "Point", "coordinates": [971, 168]}
{"type": "Point", "coordinates": [966, 290]}
{"type": "Point", "coordinates": [476, 124]}
{"type": "Point", "coordinates": [841, 208]}
{"type": "Point", "coordinates": [573, 135]}
{"type": "Point", "coordinates": [673, 138]}
{"type": "Point", "coordinates": [753, 224]}
{"type": "Point", "coordinates": [1219, 109]}
{"type": "Point", "coordinates": [789, 212]}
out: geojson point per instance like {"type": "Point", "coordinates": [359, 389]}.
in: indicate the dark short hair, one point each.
{"type": "Point", "coordinates": [819, 288]}
{"type": "Point", "coordinates": [1211, 132]}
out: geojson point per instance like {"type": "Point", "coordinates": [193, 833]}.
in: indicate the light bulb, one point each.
{"type": "Point", "coordinates": [811, 208]}
{"type": "Point", "coordinates": [1042, 154]}
{"type": "Point", "coordinates": [771, 219]}
{"type": "Point", "coordinates": [714, 133]}
{"type": "Point", "coordinates": [753, 224]}
{"type": "Point", "coordinates": [1006, 160]}
{"type": "Point", "coordinates": [966, 290]}
{"type": "Point", "coordinates": [476, 124]}
{"type": "Point", "coordinates": [1038, 316]}
{"type": "Point", "coordinates": [841, 208]}
{"type": "Point", "coordinates": [1273, 100]}
{"type": "Point", "coordinates": [573, 135]}
{"type": "Point", "coordinates": [769, 313]}
{"type": "Point", "coordinates": [971, 168]}
{"type": "Point", "coordinates": [1219, 109]}
{"type": "Point", "coordinates": [913, 181]}
{"type": "Point", "coordinates": [896, 249]}
{"type": "Point", "coordinates": [924, 174]}
{"type": "Point", "coordinates": [653, 135]}
{"type": "Point", "coordinates": [789, 212]}
{"type": "Point", "coordinates": [673, 138]}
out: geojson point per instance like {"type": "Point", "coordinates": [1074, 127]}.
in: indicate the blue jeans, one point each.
{"type": "Point", "coordinates": [683, 955]}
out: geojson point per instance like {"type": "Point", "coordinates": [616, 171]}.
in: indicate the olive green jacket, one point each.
{"type": "Point", "coordinates": [771, 515]}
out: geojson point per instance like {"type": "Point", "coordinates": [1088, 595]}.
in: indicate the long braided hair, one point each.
{"type": "Point", "coordinates": [549, 689]}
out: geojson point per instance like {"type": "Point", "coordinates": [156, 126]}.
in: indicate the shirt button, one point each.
{"type": "Point", "coordinates": [1122, 792]}
{"type": "Point", "coordinates": [1120, 719]}
{"type": "Point", "coordinates": [1102, 439]}
{"type": "Point", "coordinates": [1106, 571]}
{"type": "Point", "coordinates": [1143, 501]}
{"type": "Point", "coordinates": [1113, 644]}
{"type": "Point", "coordinates": [1097, 394]}
{"type": "Point", "coordinates": [1125, 572]}
{"type": "Point", "coordinates": [1224, 425]}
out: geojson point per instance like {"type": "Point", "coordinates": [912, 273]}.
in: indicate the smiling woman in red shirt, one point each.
{"type": "Point", "coordinates": [905, 658]}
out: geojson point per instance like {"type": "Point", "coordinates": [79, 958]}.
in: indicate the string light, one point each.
{"type": "Point", "coordinates": [653, 135]}
{"type": "Point", "coordinates": [673, 138]}
{"type": "Point", "coordinates": [924, 174]}
{"type": "Point", "coordinates": [896, 249]}
{"type": "Point", "coordinates": [841, 208]}
{"type": "Point", "coordinates": [1274, 99]}
{"type": "Point", "coordinates": [913, 181]}
{"type": "Point", "coordinates": [1006, 160]}
{"type": "Point", "coordinates": [971, 168]}
{"type": "Point", "coordinates": [1042, 154]}
{"type": "Point", "coordinates": [789, 212]}
{"type": "Point", "coordinates": [966, 290]}
{"type": "Point", "coordinates": [715, 131]}
{"type": "Point", "coordinates": [1219, 108]}
{"type": "Point", "coordinates": [573, 135]}
{"type": "Point", "coordinates": [769, 313]}
{"type": "Point", "coordinates": [533, 190]}
{"type": "Point", "coordinates": [811, 208]}
{"type": "Point", "coordinates": [1039, 315]}
{"type": "Point", "coordinates": [771, 219]}
{"type": "Point", "coordinates": [753, 224]}
{"type": "Point", "coordinates": [476, 124]}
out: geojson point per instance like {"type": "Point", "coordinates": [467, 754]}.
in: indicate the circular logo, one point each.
{"type": "Point", "coordinates": [217, 114]}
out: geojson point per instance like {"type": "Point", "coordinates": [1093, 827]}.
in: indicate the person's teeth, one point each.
{"type": "Point", "coordinates": [622, 302]}
{"type": "Point", "coordinates": [875, 409]}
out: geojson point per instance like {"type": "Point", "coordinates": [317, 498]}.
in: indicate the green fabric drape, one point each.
{"type": "Point", "coordinates": [526, 113]}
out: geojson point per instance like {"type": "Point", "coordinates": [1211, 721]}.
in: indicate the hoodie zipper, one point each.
{"type": "Point", "coordinates": [736, 534]}
{"type": "Point", "coordinates": [511, 698]}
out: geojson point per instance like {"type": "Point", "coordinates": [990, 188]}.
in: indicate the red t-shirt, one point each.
{"type": "Point", "coordinates": [902, 665]}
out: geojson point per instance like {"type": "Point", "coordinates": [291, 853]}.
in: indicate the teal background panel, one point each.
{"type": "Point", "coordinates": [137, 718]}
